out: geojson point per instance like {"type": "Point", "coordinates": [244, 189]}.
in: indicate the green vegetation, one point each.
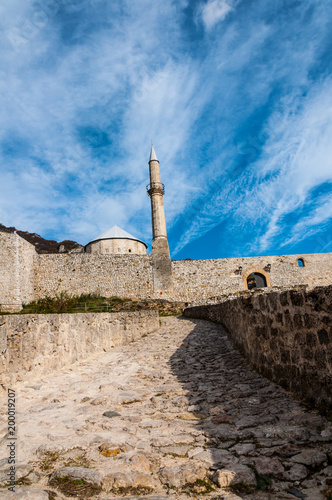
{"type": "Point", "coordinates": [263, 481]}
{"type": "Point", "coordinates": [49, 461]}
{"type": "Point", "coordinates": [64, 302]}
{"type": "Point", "coordinates": [199, 487]}
{"type": "Point", "coordinates": [75, 487]}
{"type": "Point", "coordinates": [328, 493]}
{"type": "Point", "coordinates": [80, 461]}
{"type": "Point", "coordinates": [242, 488]}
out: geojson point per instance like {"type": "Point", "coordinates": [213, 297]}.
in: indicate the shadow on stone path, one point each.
{"type": "Point", "coordinates": [257, 434]}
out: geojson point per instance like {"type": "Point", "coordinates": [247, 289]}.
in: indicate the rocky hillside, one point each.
{"type": "Point", "coordinates": [45, 246]}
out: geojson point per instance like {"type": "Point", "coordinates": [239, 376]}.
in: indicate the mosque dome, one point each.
{"type": "Point", "coordinates": [116, 241]}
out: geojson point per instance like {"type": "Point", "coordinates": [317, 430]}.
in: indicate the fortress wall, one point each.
{"type": "Point", "coordinates": [201, 279]}
{"type": "Point", "coordinates": [124, 276]}
{"type": "Point", "coordinates": [17, 271]}
{"type": "Point", "coordinates": [26, 276]}
{"type": "Point", "coordinates": [286, 336]}
{"type": "Point", "coordinates": [36, 343]}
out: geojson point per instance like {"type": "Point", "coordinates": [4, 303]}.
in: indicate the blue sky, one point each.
{"type": "Point", "coordinates": [236, 94]}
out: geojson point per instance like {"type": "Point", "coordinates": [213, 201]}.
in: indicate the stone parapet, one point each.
{"type": "Point", "coordinates": [33, 344]}
{"type": "Point", "coordinates": [286, 336]}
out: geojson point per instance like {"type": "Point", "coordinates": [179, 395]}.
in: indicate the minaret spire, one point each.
{"type": "Point", "coordinates": [153, 156]}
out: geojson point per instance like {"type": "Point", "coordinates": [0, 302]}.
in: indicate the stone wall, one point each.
{"type": "Point", "coordinates": [195, 280]}
{"type": "Point", "coordinates": [116, 275]}
{"type": "Point", "coordinates": [286, 336]}
{"type": "Point", "coordinates": [32, 343]}
{"type": "Point", "coordinates": [16, 271]}
{"type": "Point", "coordinates": [25, 275]}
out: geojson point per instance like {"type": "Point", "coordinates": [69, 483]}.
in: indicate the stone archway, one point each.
{"type": "Point", "coordinates": [260, 278]}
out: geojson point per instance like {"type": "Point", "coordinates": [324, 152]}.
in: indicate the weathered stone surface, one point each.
{"type": "Point", "coordinates": [181, 475]}
{"type": "Point", "coordinates": [313, 458]}
{"type": "Point", "coordinates": [111, 414]}
{"type": "Point", "coordinates": [88, 475]}
{"type": "Point", "coordinates": [297, 493]}
{"type": "Point", "coordinates": [222, 418]}
{"type": "Point", "coordinates": [117, 480]}
{"type": "Point", "coordinates": [20, 472]}
{"type": "Point", "coordinates": [315, 494]}
{"type": "Point", "coordinates": [246, 449]}
{"type": "Point", "coordinates": [77, 480]}
{"type": "Point", "coordinates": [140, 498]}
{"type": "Point", "coordinates": [98, 401]}
{"type": "Point", "coordinates": [109, 449]}
{"type": "Point", "coordinates": [296, 473]}
{"type": "Point", "coordinates": [139, 463]}
{"type": "Point", "coordinates": [24, 493]}
{"type": "Point", "coordinates": [176, 451]}
{"type": "Point", "coordinates": [268, 465]}
{"type": "Point", "coordinates": [128, 481]}
{"type": "Point", "coordinates": [235, 474]}
{"type": "Point", "coordinates": [215, 456]}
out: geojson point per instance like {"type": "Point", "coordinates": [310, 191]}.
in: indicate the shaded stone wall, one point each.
{"type": "Point", "coordinates": [16, 271]}
{"type": "Point", "coordinates": [38, 343]}
{"type": "Point", "coordinates": [286, 336]}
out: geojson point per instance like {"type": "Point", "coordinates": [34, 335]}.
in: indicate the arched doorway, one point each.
{"type": "Point", "coordinates": [256, 280]}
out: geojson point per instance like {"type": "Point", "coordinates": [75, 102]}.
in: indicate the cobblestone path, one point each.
{"type": "Point", "coordinates": [177, 414]}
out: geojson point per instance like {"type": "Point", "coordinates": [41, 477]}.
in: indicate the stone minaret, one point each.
{"type": "Point", "coordinates": [160, 250]}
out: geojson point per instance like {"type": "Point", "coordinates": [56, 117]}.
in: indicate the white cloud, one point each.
{"type": "Point", "coordinates": [312, 223]}
{"type": "Point", "coordinates": [215, 11]}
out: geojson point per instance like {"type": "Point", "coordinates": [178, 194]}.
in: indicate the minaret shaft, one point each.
{"type": "Point", "coordinates": [156, 192]}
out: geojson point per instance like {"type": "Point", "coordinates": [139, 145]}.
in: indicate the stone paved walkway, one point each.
{"type": "Point", "coordinates": [187, 410]}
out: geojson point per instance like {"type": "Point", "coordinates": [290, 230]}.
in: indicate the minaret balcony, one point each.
{"type": "Point", "coordinates": [155, 188]}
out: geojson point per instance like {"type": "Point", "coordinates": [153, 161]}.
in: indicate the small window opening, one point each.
{"type": "Point", "coordinates": [129, 250]}
{"type": "Point", "coordinates": [300, 262]}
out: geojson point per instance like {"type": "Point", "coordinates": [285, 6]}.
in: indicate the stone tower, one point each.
{"type": "Point", "coordinates": [160, 250]}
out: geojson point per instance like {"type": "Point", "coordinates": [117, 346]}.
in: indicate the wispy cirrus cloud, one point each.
{"type": "Point", "coordinates": [278, 150]}
{"type": "Point", "coordinates": [235, 95]}
{"type": "Point", "coordinates": [82, 103]}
